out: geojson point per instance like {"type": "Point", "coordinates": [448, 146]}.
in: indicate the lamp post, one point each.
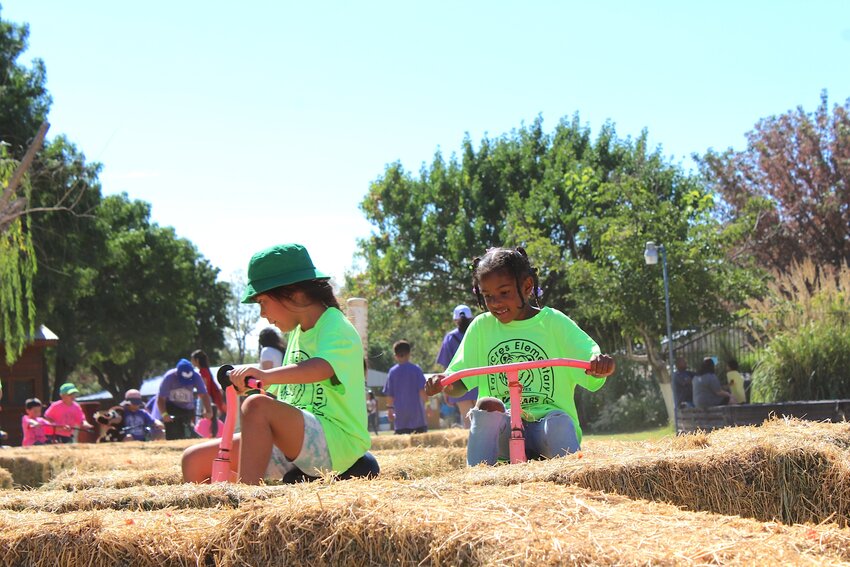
{"type": "Point", "coordinates": [650, 254]}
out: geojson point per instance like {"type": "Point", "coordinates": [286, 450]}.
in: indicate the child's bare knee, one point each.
{"type": "Point", "coordinates": [490, 404]}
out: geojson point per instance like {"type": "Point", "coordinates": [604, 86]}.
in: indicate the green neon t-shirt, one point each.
{"type": "Point", "coordinates": [337, 402]}
{"type": "Point", "coordinates": [549, 334]}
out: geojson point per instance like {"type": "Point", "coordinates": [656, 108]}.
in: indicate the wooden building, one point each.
{"type": "Point", "coordinates": [27, 378]}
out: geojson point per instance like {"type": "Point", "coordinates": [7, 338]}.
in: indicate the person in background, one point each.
{"type": "Point", "coordinates": [372, 411]}
{"type": "Point", "coordinates": [272, 348]}
{"type": "Point", "coordinates": [137, 421]}
{"type": "Point", "coordinates": [66, 414]}
{"type": "Point", "coordinates": [176, 400]}
{"type": "Point", "coordinates": [202, 363]}
{"type": "Point", "coordinates": [405, 391]}
{"type": "Point", "coordinates": [462, 316]}
{"type": "Point", "coordinates": [735, 381]}
{"type": "Point", "coordinates": [219, 406]}
{"type": "Point", "coordinates": [708, 391]}
{"type": "Point", "coordinates": [682, 384]}
{"type": "Point", "coordinates": [34, 426]}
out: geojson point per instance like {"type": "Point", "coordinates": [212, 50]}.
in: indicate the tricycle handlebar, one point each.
{"type": "Point", "coordinates": [513, 367]}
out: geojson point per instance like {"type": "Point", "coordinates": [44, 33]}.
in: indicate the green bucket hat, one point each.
{"type": "Point", "coordinates": [68, 388]}
{"type": "Point", "coordinates": [279, 265]}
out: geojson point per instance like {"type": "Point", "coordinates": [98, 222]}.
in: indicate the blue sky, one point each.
{"type": "Point", "coordinates": [253, 123]}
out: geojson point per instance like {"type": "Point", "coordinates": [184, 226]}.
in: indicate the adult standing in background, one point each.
{"type": "Point", "coordinates": [462, 316]}
{"type": "Point", "coordinates": [176, 400]}
{"type": "Point", "coordinates": [272, 348]}
{"type": "Point", "coordinates": [202, 363]}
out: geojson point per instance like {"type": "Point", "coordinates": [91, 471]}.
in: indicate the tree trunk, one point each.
{"type": "Point", "coordinates": [667, 394]}
{"type": "Point", "coordinates": [657, 361]}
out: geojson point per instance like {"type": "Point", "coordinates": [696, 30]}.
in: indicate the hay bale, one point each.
{"type": "Point", "coordinates": [124, 504]}
{"type": "Point", "coordinates": [34, 466]}
{"type": "Point", "coordinates": [790, 471]}
{"type": "Point", "coordinates": [431, 522]}
{"type": "Point", "coordinates": [6, 480]}
{"type": "Point", "coordinates": [420, 462]}
{"type": "Point", "coordinates": [439, 438]}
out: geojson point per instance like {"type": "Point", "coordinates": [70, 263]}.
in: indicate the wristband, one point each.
{"type": "Point", "coordinates": [390, 407]}
{"type": "Point", "coordinates": [166, 414]}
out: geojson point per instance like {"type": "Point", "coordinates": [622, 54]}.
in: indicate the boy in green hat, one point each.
{"type": "Point", "coordinates": [66, 414]}
{"type": "Point", "coordinates": [316, 421]}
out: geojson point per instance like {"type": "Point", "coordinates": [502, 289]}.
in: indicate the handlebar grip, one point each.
{"type": "Point", "coordinates": [223, 378]}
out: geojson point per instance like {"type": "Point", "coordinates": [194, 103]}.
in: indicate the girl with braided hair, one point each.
{"type": "Point", "coordinates": [516, 329]}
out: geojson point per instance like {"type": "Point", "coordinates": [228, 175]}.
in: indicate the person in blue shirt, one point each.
{"type": "Point", "coordinates": [137, 421]}
{"type": "Point", "coordinates": [405, 391]}
{"type": "Point", "coordinates": [176, 400]}
{"type": "Point", "coordinates": [462, 316]}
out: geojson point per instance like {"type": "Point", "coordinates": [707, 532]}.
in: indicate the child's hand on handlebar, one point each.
{"type": "Point", "coordinates": [240, 375]}
{"type": "Point", "coordinates": [433, 385]}
{"type": "Point", "coordinates": [601, 365]}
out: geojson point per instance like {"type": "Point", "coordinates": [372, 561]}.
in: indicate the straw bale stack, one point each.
{"type": "Point", "coordinates": [433, 522]}
{"type": "Point", "coordinates": [34, 466]}
{"type": "Point", "coordinates": [6, 480]}
{"type": "Point", "coordinates": [675, 501]}
{"type": "Point", "coordinates": [785, 470]}
{"type": "Point", "coordinates": [454, 437]}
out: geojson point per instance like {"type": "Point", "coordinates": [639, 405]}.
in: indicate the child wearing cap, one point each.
{"type": "Point", "coordinates": [176, 400]}
{"type": "Point", "coordinates": [66, 414]}
{"type": "Point", "coordinates": [137, 421]}
{"type": "Point", "coordinates": [316, 421]}
{"type": "Point", "coordinates": [34, 426]}
{"type": "Point", "coordinates": [462, 316]}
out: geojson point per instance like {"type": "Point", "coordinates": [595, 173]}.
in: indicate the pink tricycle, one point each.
{"type": "Point", "coordinates": [517, 441]}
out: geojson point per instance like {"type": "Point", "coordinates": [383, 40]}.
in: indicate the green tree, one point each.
{"type": "Point", "coordinates": [149, 292]}
{"type": "Point", "coordinates": [789, 190]}
{"type": "Point", "coordinates": [23, 108]}
{"type": "Point", "coordinates": [428, 229]}
{"type": "Point", "coordinates": [69, 246]}
{"type": "Point", "coordinates": [17, 269]}
{"type": "Point", "coordinates": [24, 100]}
{"type": "Point", "coordinates": [243, 319]}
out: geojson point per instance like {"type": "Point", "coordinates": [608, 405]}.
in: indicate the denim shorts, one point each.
{"type": "Point", "coordinates": [314, 458]}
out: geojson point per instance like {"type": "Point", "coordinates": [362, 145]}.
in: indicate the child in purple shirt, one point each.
{"type": "Point", "coordinates": [405, 391]}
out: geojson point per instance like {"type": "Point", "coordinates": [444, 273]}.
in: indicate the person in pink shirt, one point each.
{"type": "Point", "coordinates": [67, 414]}
{"type": "Point", "coordinates": [35, 427]}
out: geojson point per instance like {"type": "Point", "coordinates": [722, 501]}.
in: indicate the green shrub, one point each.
{"type": "Point", "coordinates": [630, 401]}
{"type": "Point", "coordinates": [812, 363]}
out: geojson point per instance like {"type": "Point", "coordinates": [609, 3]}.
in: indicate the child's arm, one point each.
{"type": "Point", "coordinates": [390, 408]}
{"type": "Point", "coordinates": [434, 386]}
{"type": "Point", "coordinates": [306, 372]}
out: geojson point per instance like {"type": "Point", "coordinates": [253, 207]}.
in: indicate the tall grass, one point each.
{"type": "Point", "coordinates": [803, 325]}
{"type": "Point", "coordinates": [812, 363]}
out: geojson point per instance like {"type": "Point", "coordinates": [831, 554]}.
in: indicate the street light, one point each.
{"type": "Point", "coordinates": [650, 254]}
